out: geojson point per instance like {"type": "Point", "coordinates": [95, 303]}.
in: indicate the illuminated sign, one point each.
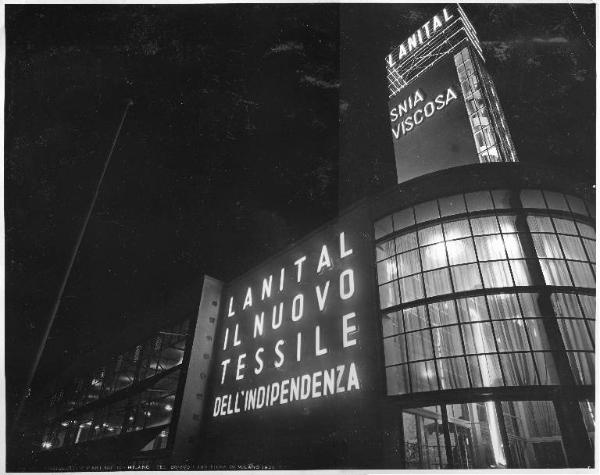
{"type": "Point", "coordinates": [293, 332]}
{"type": "Point", "coordinates": [420, 37]}
{"type": "Point", "coordinates": [429, 123]}
{"type": "Point", "coordinates": [410, 114]}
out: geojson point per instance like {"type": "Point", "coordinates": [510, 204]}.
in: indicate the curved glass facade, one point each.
{"type": "Point", "coordinates": [490, 289]}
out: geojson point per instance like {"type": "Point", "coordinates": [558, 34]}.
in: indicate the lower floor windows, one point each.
{"type": "Point", "coordinates": [489, 434]}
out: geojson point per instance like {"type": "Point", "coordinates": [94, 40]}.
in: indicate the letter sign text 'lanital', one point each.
{"type": "Point", "coordinates": [283, 319]}
{"type": "Point", "coordinates": [420, 37]}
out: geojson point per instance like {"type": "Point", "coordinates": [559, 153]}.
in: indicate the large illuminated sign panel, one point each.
{"type": "Point", "coordinates": [429, 124]}
{"type": "Point", "coordinates": [295, 333]}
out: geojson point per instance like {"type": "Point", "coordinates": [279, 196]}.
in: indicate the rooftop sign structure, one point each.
{"type": "Point", "coordinates": [444, 109]}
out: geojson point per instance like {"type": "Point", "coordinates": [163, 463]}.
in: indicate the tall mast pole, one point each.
{"type": "Point", "coordinates": [49, 324]}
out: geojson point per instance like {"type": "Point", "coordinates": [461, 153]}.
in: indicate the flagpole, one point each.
{"type": "Point", "coordinates": [49, 324]}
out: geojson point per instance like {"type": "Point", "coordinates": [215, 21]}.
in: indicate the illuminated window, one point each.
{"type": "Point", "coordinates": [486, 337]}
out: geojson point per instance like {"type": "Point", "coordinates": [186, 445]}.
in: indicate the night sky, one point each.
{"type": "Point", "coordinates": [252, 125]}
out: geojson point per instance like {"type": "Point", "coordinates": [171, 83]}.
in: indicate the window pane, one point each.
{"type": "Point", "coordinates": [546, 245]}
{"type": "Point", "coordinates": [575, 335]}
{"type": "Point", "coordinates": [406, 242]}
{"type": "Point", "coordinates": [510, 335]}
{"type": "Point", "coordinates": [415, 318]}
{"type": "Point", "coordinates": [384, 249]}
{"type": "Point", "coordinates": [555, 272]}
{"type": "Point", "coordinates": [566, 305]}
{"type": "Point", "coordinates": [453, 373]}
{"type": "Point", "coordinates": [409, 263]}
{"type": "Point", "coordinates": [478, 338]}
{"type": "Point", "coordinates": [582, 365]}
{"type": "Point", "coordinates": [411, 288]}
{"type": "Point", "coordinates": [386, 270]}
{"type": "Point", "coordinates": [537, 334]}
{"type": "Point", "coordinates": [490, 248]}
{"type": "Point", "coordinates": [461, 251]}
{"type": "Point", "coordinates": [452, 205]}
{"type": "Point", "coordinates": [532, 199]}
{"type": "Point", "coordinates": [588, 412]}
{"type": "Point", "coordinates": [437, 282]}
{"type": "Point", "coordinates": [392, 323]}
{"type": "Point", "coordinates": [442, 313]}
{"type": "Point", "coordinates": [404, 219]}
{"type": "Point", "coordinates": [508, 224]}
{"type": "Point", "coordinates": [472, 309]}
{"type": "Point", "coordinates": [383, 227]}
{"type": "Point", "coordinates": [422, 376]}
{"type": "Point", "coordinates": [394, 350]}
{"type": "Point", "coordinates": [419, 345]}
{"type": "Point", "coordinates": [588, 303]}
{"type": "Point", "coordinates": [556, 201]}
{"type": "Point", "coordinates": [446, 341]}
{"type": "Point", "coordinates": [457, 229]}
{"type": "Point", "coordinates": [590, 247]}
{"type": "Point", "coordinates": [564, 226]}
{"type": "Point", "coordinates": [397, 380]}
{"type": "Point", "coordinates": [430, 235]}
{"type": "Point", "coordinates": [434, 256]}
{"type": "Point", "coordinates": [485, 371]}
{"type": "Point", "coordinates": [496, 274]}
{"type": "Point", "coordinates": [427, 211]}
{"type": "Point", "coordinates": [577, 205]}
{"type": "Point", "coordinates": [502, 199]}
{"type": "Point", "coordinates": [519, 369]}
{"type": "Point", "coordinates": [530, 306]}
{"type": "Point", "coordinates": [586, 230]}
{"type": "Point", "coordinates": [546, 368]}
{"type": "Point", "coordinates": [479, 200]}
{"type": "Point", "coordinates": [514, 248]}
{"type": "Point", "coordinates": [539, 224]}
{"type": "Point", "coordinates": [466, 277]}
{"type": "Point", "coordinates": [503, 306]}
{"type": "Point", "coordinates": [582, 274]}
{"type": "Point", "coordinates": [388, 295]}
{"type": "Point", "coordinates": [522, 273]}
{"type": "Point", "coordinates": [572, 248]}
{"type": "Point", "coordinates": [485, 225]}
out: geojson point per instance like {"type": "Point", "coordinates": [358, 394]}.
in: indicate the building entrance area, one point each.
{"type": "Point", "coordinates": [488, 434]}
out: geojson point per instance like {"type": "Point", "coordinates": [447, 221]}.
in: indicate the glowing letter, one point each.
{"type": "Point", "coordinates": [318, 350]}
{"type": "Point", "coordinates": [240, 366]}
{"type": "Point", "coordinates": [258, 360]}
{"type": "Point", "coordinates": [279, 354]}
{"type": "Point", "coordinates": [224, 363]}
{"type": "Point", "coordinates": [226, 338]}
{"type": "Point", "coordinates": [322, 297]}
{"type": "Point", "coordinates": [297, 310]}
{"type": "Point", "coordinates": [347, 329]}
{"type": "Point", "coordinates": [352, 378]}
{"type": "Point", "coordinates": [324, 259]}
{"type": "Point", "coordinates": [231, 313]}
{"type": "Point", "coordinates": [236, 341]}
{"type": "Point", "coordinates": [343, 251]}
{"type": "Point", "coordinates": [275, 324]}
{"type": "Point", "coordinates": [259, 324]}
{"type": "Point", "coordinates": [266, 287]}
{"type": "Point", "coordinates": [347, 284]}
{"type": "Point", "coordinates": [248, 299]}
{"type": "Point", "coordinates": [298, 264]}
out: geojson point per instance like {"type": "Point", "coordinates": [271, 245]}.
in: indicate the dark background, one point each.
{"type": "Point", "coordinates": [252, 125]}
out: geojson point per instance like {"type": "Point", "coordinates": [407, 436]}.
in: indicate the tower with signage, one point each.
{"type": "Point", "coordinates": [438, 87]}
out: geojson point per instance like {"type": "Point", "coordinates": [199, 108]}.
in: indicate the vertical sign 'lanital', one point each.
{"type": "Point", "coordinates": [430, 131]}
{"type": "Point", "coordinates": [291, 331]}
